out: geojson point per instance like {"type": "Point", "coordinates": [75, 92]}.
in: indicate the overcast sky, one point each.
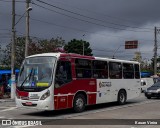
{"type": "Point", "coordinates": [107, 24]}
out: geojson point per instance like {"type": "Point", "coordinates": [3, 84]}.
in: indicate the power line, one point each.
{"type": "Point", "coordinates": [71, 28]}
{"type": "Point", "coordinates": [102, 50]}
{"type": "Point", "coordinates": [94, 12]}
{"type": "Point", "coordinates": [11, 1]}
{"type": "Point", "coordinates": [23, 35]}
{"type": "Point", "coordinates": [87, 17]}
{"type": "Point", "coordinates": [5, 33]}
{"type": "Point", "coordinates": [86, 20]}
{"type": "Point", "coordinates": [4, 29]}
{"type": "Point", "coordinates": [84, 16]}
{"type": "Point", "coordinates": [76, 29]}
{"type": "Point", "coordinates": [95, 49]}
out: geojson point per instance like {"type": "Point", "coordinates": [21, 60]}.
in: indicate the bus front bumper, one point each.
{"type": "Point", "coordinates": [39, 104]}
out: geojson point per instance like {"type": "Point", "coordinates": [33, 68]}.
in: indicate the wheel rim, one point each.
{"type": "Point", "coordinates": [122, 97]}
{"type": "Point", "coordinates": [79, 103]}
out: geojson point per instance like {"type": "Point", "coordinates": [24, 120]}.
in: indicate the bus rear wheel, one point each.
{"type": "Point", "coordinates": [122, 97]}
{"type": "Point", "coordinates": [79, 103]}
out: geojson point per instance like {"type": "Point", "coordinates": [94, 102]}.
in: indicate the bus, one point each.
{"type": "Point", "coordinates": [54, 81]}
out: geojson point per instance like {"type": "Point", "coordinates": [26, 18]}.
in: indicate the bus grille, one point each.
{"type": "Point", "coordinates": [33, 105]}
{"type": "Point", "coordinates": [31, 98]}
{"type": "Point", "coordinates": [24, 98]}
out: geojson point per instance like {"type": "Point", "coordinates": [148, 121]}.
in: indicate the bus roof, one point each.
{"type": "Point", "coordinates": [57, 55]}
{"type": "Point", "coordinates": [116, 60]}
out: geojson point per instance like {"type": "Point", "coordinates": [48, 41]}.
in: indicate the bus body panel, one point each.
{"type": "Point", "coordinates": [103, 91]}
{"type": "Point", "coordinates": [131, 86]}
{"type": "Point", "coordinates": [107, 89]}
{"type": "Point", "coordinates": [65, 94]}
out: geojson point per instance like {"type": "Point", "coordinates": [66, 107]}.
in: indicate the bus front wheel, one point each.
{"type": "Point", "coordinates": [79, 103]}
{"type": "Point", "coordinates": [122, 97]}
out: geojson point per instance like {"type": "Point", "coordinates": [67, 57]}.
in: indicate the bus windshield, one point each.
{"type": "Point", "coordinates": [36, 73]}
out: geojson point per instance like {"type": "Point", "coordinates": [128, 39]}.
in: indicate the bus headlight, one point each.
{"type": "Point", "coordinates": [45, 95]}
{"type": "Point", "coordinates": [158, 91]}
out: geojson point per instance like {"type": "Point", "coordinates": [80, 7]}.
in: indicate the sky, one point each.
{"type": "Point", "coordinates": [105, 24]}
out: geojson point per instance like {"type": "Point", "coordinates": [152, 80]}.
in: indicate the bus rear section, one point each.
{"type": "Point", "coordinates": [75, 81]}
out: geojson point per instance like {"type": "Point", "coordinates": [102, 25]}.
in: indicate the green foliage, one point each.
{"type": "Point", "coordinates": [46, 46]}
{"type": "Point", "coordinates": [76, 46]}
{"type": "Point", "coordinates": [5, 68]}
{"type": "Point", "coordinates": [0, 53]}
{"type": "Point", "coordinates": [6, 60]}
{"type": "Point", "coordinates": [35, 47]}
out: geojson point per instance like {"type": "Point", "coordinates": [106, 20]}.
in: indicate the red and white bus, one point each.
{"type": "Point", "coordinates": [53, 81]}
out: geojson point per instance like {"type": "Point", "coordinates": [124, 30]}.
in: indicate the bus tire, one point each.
{"type": "Point", "coordinates": [79, 103]}
{"type": "Point", "coordinates": [122, 97]}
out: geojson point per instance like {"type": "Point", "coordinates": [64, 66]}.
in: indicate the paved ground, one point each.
{"type": "Point", "coordinates": [140, 108]}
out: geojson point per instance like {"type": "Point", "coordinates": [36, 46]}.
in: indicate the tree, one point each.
{"type": "Point", "coordinates": [19, 52]}
{"type": "Point", "coordinates": [35, 47]}
{"type": "Point", "coordinates": [76, 46]}
{"type": "Point", "coordinates": [46, 46]}
{"type": "Point", "coordinates": [0, 53]}
{"type": "Point", "coordinates": [146, 65]}
{"type": "Point", "coordinates": [138, 57]}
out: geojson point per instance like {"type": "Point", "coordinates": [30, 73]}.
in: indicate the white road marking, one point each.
{"type": "Point", "coordinates": [8, 109]}
{"type": "Point", "coordinates": [104, 109]}
{"type": "Point", "coordinates": [2, 117]}
{"type": "Point", "coordinates": [23, 126]}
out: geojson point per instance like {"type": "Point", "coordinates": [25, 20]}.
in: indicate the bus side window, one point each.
{"type": "Point", "coordinates": [83, 68]}
{"type": "Point", "coordinates": [100, 69]}
{"type": "Point", "coordinates": [137, 72]}
{"type": "Point", "coordinates": [128, 71]}
{"type": "Point", "coordinates": [115, 70]}
{"type": "Point", "coordinates": [63, 73]}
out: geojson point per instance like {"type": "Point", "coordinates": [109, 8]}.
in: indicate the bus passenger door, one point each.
{"type": "Point", "coordinates": [103, 91]}
{"type": "Point", "coordinates": [63, 79]}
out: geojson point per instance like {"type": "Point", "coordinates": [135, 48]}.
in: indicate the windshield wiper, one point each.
{"type": "Point", "coordinates": [29, 76]}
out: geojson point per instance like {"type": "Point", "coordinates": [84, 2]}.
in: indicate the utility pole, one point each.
{"type": "Point", "coordinates": [83, 48]}
{"type": "Point", "coordinates": [27, 28]}
{"type": "Point", "coordinates": [155, 51]}
{"type": "Point", "coordinates": [13, 52]}
{"type": "Point", "coordinates": [83, 44]}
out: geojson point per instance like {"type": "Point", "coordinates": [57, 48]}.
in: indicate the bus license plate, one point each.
{"type": "Point", "coordinates": [29, 103]}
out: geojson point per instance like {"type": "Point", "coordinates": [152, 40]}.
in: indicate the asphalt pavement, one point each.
{"type": "Point", "coordinates": [96, 115]}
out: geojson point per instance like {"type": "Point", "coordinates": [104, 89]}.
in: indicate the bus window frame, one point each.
{"type": "Point", "coordinates": [103, 71]}
{"type": "Point", "coordinates": [120, 71]}
{"type": "Point", "coordinates": [82, 73]}
{"type": "Point", "coordinates": [130, 71]}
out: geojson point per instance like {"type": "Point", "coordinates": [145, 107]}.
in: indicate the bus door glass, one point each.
{"type": "Point", "coordinates": [62, 77]}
